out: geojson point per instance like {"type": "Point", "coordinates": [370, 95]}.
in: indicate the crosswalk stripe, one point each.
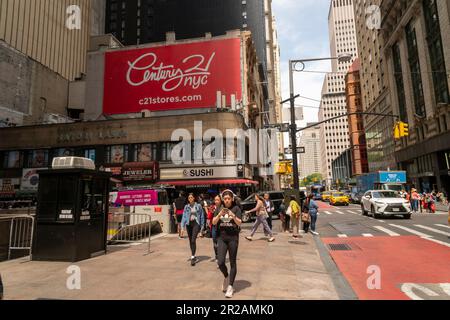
{"type": "Point", "coordinates": [353, 212]}
{"type": "Point", "coordinates": [342, 236]}
{"type": "Point", "coordinates": [433, 230]}
{"type": "Point", "coordinates": [389, 232]}
{"type": "Point", "coordinates": [417, 233]}
{"type": "Point", "coordinates": [437, 241]}
{"type": "Point", "coordinates": [367, 235]}
{"type": "Point", "coordinates": [328, 212]}
{"type": "Point", "coordinates": [339, 212]}
{"type": "Point", "coordinates": [442, 225]}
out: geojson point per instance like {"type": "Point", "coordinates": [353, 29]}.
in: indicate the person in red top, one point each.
{"type": "Point", "coordinates": [415, 198]}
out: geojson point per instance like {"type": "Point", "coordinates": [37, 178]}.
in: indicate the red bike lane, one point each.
{"type": "Point", "coordinates": [384, 268]}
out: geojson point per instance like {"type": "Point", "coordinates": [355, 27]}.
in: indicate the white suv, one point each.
{"type": "Point", "coordinates": [379, 203]}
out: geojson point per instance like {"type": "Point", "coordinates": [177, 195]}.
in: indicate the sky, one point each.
{"type": "Point", "coordinates": [303, 33]}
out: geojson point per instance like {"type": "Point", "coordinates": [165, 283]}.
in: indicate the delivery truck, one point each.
{"type": "Point", "coordinates": [382, 180]}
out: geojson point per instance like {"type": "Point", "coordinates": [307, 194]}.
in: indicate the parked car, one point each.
{"type": "Point", "coordinates": [249, 203]}
{"type": "Point", "coordinates": [379, 203]}
{"type": "Point", "coordinates": [356, 197]}
{"type": "Point", "coordinates": [339, 198]}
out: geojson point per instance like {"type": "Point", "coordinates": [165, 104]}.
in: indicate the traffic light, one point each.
{"type": "Point", "coordinates": [397, 131]}
{"type": "Point", "coordinates": [404, 129]}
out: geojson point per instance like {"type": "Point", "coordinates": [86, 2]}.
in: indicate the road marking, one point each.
{"type": "Point", "coordinates": [381, 221]}
{"type": "Point", "coordinates": [353, 212]}
{"type": "Point", "coordinates": [442, 225]}
{"type": "Point", "coordinates": [339, 212]}
{"type": "Point", "coordinates": [433, 230]}
{"type": "Point", "coordinates": [328, 212]}
{"type": "Point", "coordinates": [417, 233]}
{"type": "Point", "coordinates": [389, 232]}
{"type": "Point", "coordinates": [342, 236]}
{"type": "Point", "coordinates": [437, 241]}
{"type": "Point", "coordinates": [367, 235]}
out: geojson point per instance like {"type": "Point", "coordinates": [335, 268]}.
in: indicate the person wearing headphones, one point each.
{"type": "Point", "coordinates": [193, 219]}
{"type": "Point", "coordinates": [227, 223]}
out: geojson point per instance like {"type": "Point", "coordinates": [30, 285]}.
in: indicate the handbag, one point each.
{"type": "Point", "coordinates": [289, 211]}
{"type": "Point", "coordinates": [306, 217]}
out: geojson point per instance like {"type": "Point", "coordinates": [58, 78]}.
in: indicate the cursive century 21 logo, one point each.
{"type": "Point", "coordinates": [193, 72]}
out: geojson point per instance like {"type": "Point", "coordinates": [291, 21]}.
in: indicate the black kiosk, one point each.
{"type": "Point", "coordinates": [71, 216]}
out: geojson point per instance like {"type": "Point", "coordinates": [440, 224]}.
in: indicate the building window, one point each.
{"type": "Point", "coordinates": [64, 152]}
{"type": "Point", "coordinates": [37, 158]}
{"type": "Point", "coordinates": [166, 151]}
{"type": "Point", "coordinates": [12, 159]}
{"type": "Point", "coordinates": [398, 75]}
{"type": "Point", "coordinates": [145, 152]}
{"type": "Point", "coordinates": [414, 64]}
{"type": "Point", "coordinates": [117, 154]}
{"type": "Point", "coordinates": [434, 40]}
{"type": "Point", "coordinates": [90, 154]}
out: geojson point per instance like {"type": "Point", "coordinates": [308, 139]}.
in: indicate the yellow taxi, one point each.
{"type": "Point", "coordinates": [339, 198]}
{"type": "Point", "coordinates": [326, 196]}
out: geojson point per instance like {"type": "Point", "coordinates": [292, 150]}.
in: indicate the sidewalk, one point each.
{"type": "Point", "coordinates": [280, 270]}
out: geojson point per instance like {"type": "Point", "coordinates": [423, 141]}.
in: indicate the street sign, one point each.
{"type": "Point", "coordinates": [299, 150]}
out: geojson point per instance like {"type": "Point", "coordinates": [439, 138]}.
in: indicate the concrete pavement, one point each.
{"type": "Point", "coordinates": [284, 269]}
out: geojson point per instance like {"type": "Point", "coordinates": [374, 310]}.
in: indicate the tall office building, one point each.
{"type": "Point", "coordinates": [145, 21]}
{"type": "Point", "coordinates": [334, 135]}
{"type": "Point", "coordinates": [375, 93]}
{"type": "Point", "coordinates": [310, 161]}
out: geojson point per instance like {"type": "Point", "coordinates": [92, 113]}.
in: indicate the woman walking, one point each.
{"type": "Point", "coordinates": [261, 218]}
{"type": "Point", "coordinates": [193, 219]}
{"type": "Point", "coordinates": [228, 222]}
{"type": "Point", "coordinates": [285, 219]}
{"type": "Point", "coordinates": [178, 209]}
{"type": "Point", "coordinates": [294, 208]}
{"type": "Point", "coordinates": [313, 211]}
{"type": "Point", "coordinates": [215, 209]}
{"type": "Point", "coordinates": [306, 217]}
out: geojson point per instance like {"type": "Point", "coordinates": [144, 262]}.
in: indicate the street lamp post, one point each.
{"type": "Point", "coordinates": [293, 131]}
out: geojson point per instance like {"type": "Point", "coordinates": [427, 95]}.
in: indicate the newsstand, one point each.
{"type": "Point", "coordinates": [71, 215]}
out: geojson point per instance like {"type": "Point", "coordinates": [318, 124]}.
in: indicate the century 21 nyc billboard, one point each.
{"type": "Point", "coordinates": [180, 76]}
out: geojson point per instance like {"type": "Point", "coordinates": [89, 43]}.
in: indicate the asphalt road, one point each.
{"type": "Point", "coordinates": [349, 222]}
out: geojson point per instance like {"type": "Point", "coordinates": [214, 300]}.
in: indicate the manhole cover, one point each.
{"type": "Point", "coordinates": [297, 242]}
{"type": "Point", "coordinates": [339, 247]}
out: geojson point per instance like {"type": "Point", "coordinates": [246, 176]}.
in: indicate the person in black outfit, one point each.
{"type": "Point", "coordinates": [228, 221]}
{"type": "Point", "coordinates": [178, 209]}
{"type": "Point", "coordinates": [1, 288]}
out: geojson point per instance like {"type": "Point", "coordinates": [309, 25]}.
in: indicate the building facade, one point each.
{"type": "Point", "coordinates": [145, 141]}
{"type": "Point", "coordinates": [342, 170]}
{"type": "Point", "coordinates": [416, 45]}
{"type": "Point", "coordinates": [375, 93]}
{"type": "Point", "coordinates": [310, 161]}
{"type": "Point", "coordinates": [334, 134]}
{"type": "Point", "coordinates": [43, 46]}
{"type": "Point", "coordinates": [358, 148]}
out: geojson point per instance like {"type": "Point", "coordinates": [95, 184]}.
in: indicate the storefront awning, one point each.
{"type": "Point", "coordinates": [209, 182]}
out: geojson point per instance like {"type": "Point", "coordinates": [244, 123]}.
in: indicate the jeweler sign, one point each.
{"type": "Point", "coordinates": [179, 76]}
{"type": "Point", "coordinates": [140, 171]}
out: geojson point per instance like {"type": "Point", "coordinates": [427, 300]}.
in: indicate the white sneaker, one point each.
{"type": "Point", "coordinates": [314, 233]}
{"type": "Point", "coordinates": [230, 292]}
{"type": "Point", "coordinates": [225, 284]}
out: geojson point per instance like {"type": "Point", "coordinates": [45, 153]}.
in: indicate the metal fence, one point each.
{"type": "Point", "coordinates": [129, 228]}
{"type": "Point", "coordinates": [20, 233]}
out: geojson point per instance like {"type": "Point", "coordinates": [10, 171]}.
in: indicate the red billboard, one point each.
{"type": "Point", "coordinates": [179, 76]}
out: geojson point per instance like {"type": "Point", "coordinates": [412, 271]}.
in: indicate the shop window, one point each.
{"type": "Point", "coordinates": [64, 152]}
{"type": "Point", "coordinates": [12, 159]}
{"type": "Point", "coordinates": [37, 158]}
{"type": "Point", "coordinates": [145, 152]}
{"type": "Point", "coordinates": [90, 154]}
{"type": "Point", "coordinates": [117, 154]}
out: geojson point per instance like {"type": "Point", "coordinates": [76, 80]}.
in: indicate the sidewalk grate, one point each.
{"type": "Point", "coordinates": [339, 247]}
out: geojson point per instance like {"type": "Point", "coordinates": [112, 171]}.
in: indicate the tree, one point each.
{"type": "Point", "coordinates": [311, 179]}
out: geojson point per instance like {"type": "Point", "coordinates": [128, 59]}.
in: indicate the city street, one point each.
{"type": "Point", "coordinates": [410, 253]}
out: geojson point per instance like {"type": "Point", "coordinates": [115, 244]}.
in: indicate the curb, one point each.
{"type": "Point", "coordinates": [343, 288]}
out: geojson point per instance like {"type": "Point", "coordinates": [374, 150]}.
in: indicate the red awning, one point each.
{"type": "Point", "coordinates": [208, 182]}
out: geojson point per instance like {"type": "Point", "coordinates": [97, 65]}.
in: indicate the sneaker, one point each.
{"type": "Point", "coordinates": [194, 261]}
{"type": "Point", "coordinates": [314, 233]}
{"type": "Point", "coordinates": [230, 292]}
{"type": "Point", "coordinates": [249, 238]}
{"type": "Point", "coordinates": [225, 284]}
{"type": "Point", "coordinates": [272, 239]}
